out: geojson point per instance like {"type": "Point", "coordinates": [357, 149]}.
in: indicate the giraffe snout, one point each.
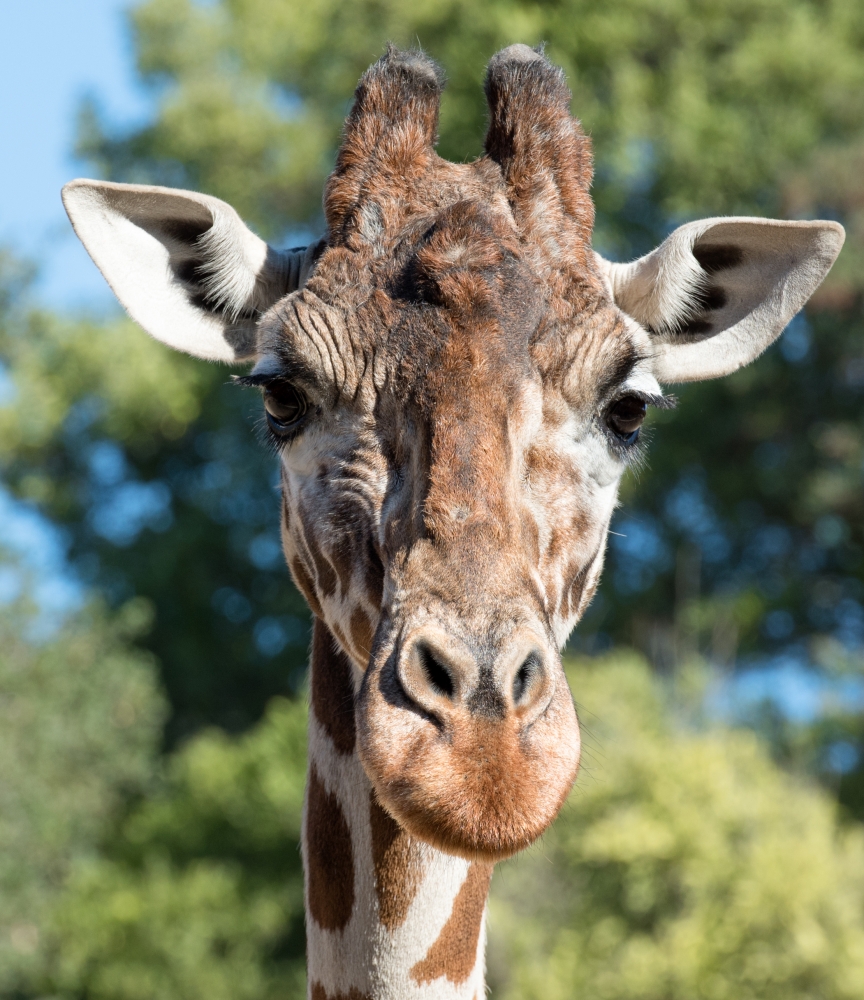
{"type": "Point", "coordinates": [472, 745]}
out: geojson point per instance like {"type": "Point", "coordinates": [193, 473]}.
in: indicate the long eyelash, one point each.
{"type": "Point", "coordinates": [267, 438]}
{"type": "Point", "coordinates": [632, 455]}
{"type": "Point", "coordinates": [276, 443]}
{"type": "Point", "coordinates": [255, 381]}
{"type": "Point", "coordinates": [261, 428]}
{"type": "Point", "coordinates": [661, 402]}
{"type": "Point", "coordinates": [264, 432]}
{"type": "Point", "coordinates": [637, 453]}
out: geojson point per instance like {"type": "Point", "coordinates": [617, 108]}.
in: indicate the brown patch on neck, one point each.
{"type": "Point", "coordinates": [332, 689]}
{"type": "Point", "coordinates": [329, 858]}
{"type": "Point", "coordinates": [305, 585]}
{"type": "Point", "coordinates": [361, 632]}
{"type": "Point", "coordinates": [398, 866]}
{"type": "Point", "coordinates": [342, 557]}
{"type": "Point", "coordinates": [328, 581]}
{"type": "Point", "coordinates": [318, 992]}
{"type": "Point", "coordinates": [454, 954]}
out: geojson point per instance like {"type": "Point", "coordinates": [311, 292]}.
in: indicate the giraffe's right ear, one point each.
{"type": "Point", "coordinates": [184, 265]}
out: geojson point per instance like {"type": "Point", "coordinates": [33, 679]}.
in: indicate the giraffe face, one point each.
{"type": "Point", "coordinates": [455, 394]}
{"type": "Point", "coordinates": [455, 397]}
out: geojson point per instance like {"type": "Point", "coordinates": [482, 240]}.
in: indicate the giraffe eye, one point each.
{"type": "Point", "coordinates": [285, 407]}
{"type": "Point", "coordinates": [624, 417]}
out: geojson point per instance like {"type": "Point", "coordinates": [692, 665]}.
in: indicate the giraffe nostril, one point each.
{"type": "Point", "coordinates": [524, 676]}
{"type": "Point", "coordinates": [445, 678]}
{"type": "Point", "coordinates": [436, 673]}
{"type": "Point", "coordinates": [431, 676]}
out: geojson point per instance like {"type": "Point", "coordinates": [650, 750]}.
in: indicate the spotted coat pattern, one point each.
{"type": "Point", "coordinates": [446, 501]}
{"type": "Point", "coordinates": [455, 382]}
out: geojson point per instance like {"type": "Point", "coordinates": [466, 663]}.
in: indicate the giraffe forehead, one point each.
{"type": "Point", "coordinates": [458, 307]}
{"type": "Point", "coordinates": [467, 386]}
{"type": "Point", "coordinates": [443, 283]}
{"type": "Point", "coordinates": [469, 235]}
{"type": "Point", "coordinates": [455, 257]}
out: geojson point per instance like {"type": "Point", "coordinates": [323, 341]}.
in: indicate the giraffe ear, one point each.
{"type": "Point", "coordinates": [184, 265]}
{"type": "Point", "coordinates": [716, 293]}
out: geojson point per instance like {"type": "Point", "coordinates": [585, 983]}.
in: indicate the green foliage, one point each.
{"type": "Point", "coordinates": [200, 894]}
{"type": "Point", "coordinates": [150, 459]}
{"type": "Point", "coordinates": [830, 183]}
{"type": "Point", "coordinates": [147, 396]}
{"type": "Point", "coordinates": [686, 865]}
{"type": "Point", "coordinates": [193, 933]}
{"type": "Point", "coordinates": [701, 106]}
{"type": "Point", "coordinates": [80, 721]}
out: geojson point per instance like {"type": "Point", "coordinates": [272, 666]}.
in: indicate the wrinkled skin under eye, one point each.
{"type": "Point", "coordinates": [625, 416]}
{"type": "Point", "coordinates": [286, 408]}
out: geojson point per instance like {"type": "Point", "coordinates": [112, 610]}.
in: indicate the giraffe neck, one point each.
{"type": "Point", "coordinates": [387, 916]}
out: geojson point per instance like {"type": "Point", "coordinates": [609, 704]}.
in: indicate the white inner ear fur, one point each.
{"type": "Point", "coordinates": [717, 292]}
{"type": "Point", "coordinates": [183, 264]}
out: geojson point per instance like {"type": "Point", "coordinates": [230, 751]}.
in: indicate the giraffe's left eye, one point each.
{"type": "Point", "coordinates": [625, 417]}
{"type": "Point", "coordinates": [285, 407]}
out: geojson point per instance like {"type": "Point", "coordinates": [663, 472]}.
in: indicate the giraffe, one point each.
{"type": "Point", "coordinates": [455, 383]}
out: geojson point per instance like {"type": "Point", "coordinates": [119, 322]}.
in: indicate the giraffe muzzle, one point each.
{"type": "Point", "coordinates": [471, 747]}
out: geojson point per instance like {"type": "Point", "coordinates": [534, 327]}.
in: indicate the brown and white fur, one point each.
{"type": "Point", "coordinates": [454, 381]}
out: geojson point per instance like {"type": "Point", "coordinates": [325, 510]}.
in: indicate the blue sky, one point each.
{"type": "Point", "coordinates": [52, 53]}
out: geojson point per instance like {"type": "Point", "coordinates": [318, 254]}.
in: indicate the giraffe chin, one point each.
{"type": "Point", "coordinates": [479, 788]}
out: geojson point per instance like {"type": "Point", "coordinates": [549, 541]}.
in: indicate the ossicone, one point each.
{"type": "Point", "coordinates": [390, 133]}
{"type": "Point", "coordinates": [533, 136]}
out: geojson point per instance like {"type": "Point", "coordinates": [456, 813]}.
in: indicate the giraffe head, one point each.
{"type": "Point", "coordinates": [455, 383]}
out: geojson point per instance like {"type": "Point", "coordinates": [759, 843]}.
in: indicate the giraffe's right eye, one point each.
{"type": "Point", "coordinates": [286, 408]}
{"type": "Point", "coordinates": [624, 417]}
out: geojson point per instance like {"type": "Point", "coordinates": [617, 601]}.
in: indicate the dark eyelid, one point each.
{"type": "Point", "coordinates": [618, 371]}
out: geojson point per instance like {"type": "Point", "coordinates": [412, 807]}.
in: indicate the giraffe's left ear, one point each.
{"type": "Point", "coordinates": [716, 293]}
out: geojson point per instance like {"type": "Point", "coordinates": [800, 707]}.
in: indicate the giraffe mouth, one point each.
{"type": "Point", "coordinates": [477, 777]}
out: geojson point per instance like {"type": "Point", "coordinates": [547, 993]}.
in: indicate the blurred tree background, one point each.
{"type": "Point", "coordinates": [693, 861]}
